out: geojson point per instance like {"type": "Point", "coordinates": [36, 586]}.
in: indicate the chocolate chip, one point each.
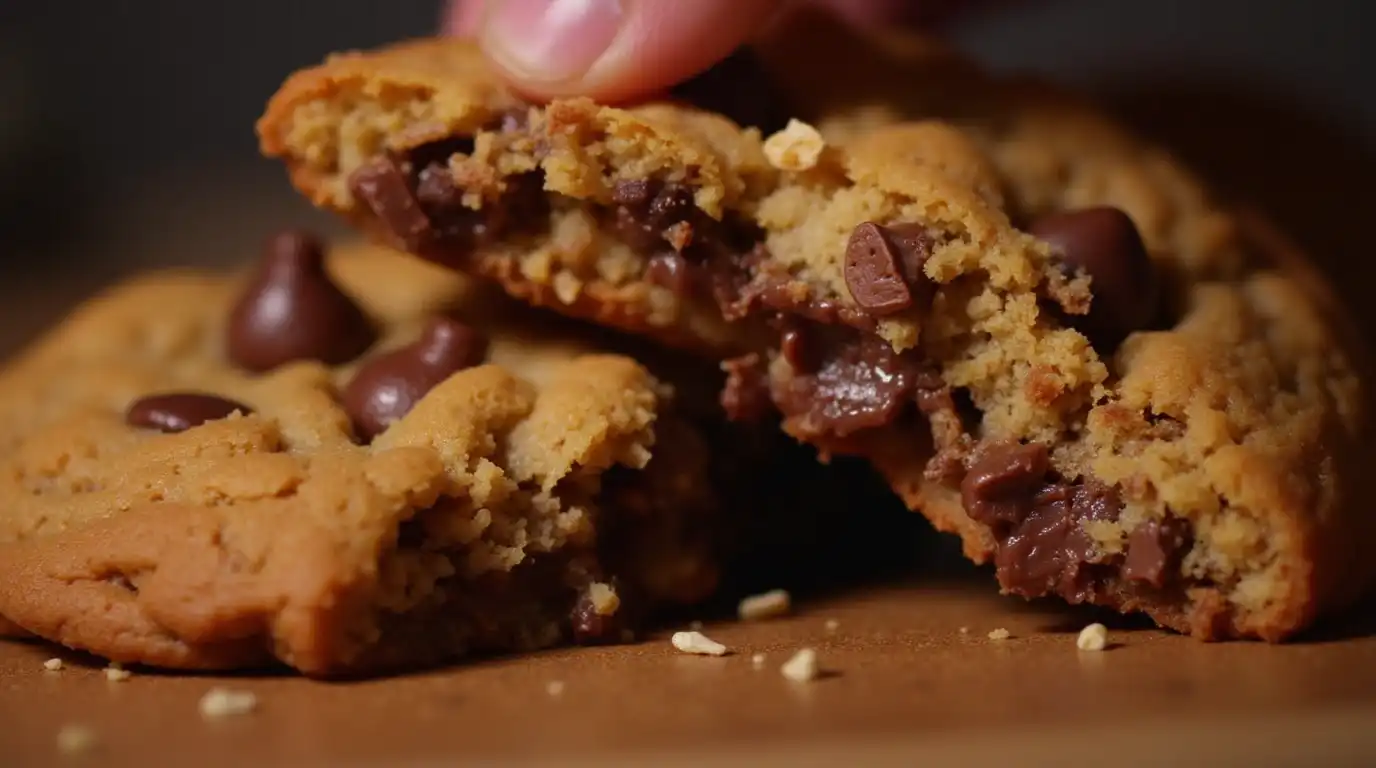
{"type": "Point", "coordinates": [1126, 288]}
{"type": "Point", "coordinates": [180, 411]}
{"type": "Point", "coordinates": [884, 264]}
{"type": "Point", "coordinates": [1000, 485]}
{"type": "Point", "coordinates": [382, 186]}
{"type": "Point", "coordinates": [386, 388]}
{"type": "Point", "coordinates": [292, 310]}
{"type": "Point", "coordinates": [1154, 549]}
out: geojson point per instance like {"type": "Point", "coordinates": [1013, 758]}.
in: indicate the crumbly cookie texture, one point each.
{"type": "Point", "coordinates": [1041, 330]}
{"type": "Point", "coordinates": [165, 506]}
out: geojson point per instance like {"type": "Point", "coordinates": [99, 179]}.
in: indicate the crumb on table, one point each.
{"type": "Point", "coordinates": [1092, 638]}
{"type": "Point", "coordinates": [53, 665]}
{"type": "Point", "coordinates": [219, 703]}
{"type": "Point", "coordinates": [75, 739]}
{"type": "Point", "coordinates": [802, 667]}
{"type": "Point", "coordinates": [116, 673]}
{"type": "Point", "coordinates": [767, 605]}
{"type": "Point", "coordinates": [697, 643]}
{"type": "Point", "coordinates": [999, 634]}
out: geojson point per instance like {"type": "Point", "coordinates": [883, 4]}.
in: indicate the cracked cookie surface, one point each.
{"type": "Point", "coordinates": [1042, 330]}
{"type": "Point", "coordinates": [165, 505]}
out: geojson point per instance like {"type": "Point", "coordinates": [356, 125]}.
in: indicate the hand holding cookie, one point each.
{"type": "Point", "coordinates": [613, 50]}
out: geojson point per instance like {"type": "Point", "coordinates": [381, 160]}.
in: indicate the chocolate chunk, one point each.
{"type": "Point", "coordinates": [180, 411]}
{"type": "Point", "coordinates": [798, 351]}
{"type": "Point", "coordinates": [590, 627]}
{"type": "Point", "coordinates": [435, 189]}
{"type": "Point", "coordinates": [863, 384]}
{"type": "Point", "coordinates": [669, 270]}
{"type": "Point", "coordinates": [292, 310]}
{"type": "Point", "coordinates": [1039, 523]}
{"type": "Point", "coordinates": [647, 210]}
{"type": "Point", "coordinates": [783, 294]}
{"type": "Point", "coordinates": [883, 266]}
{"type": "Point", "coordinates": [1155, 549]}
{"type": "Point", "coordinates": [1000, 485]}
{"type": "Point", "coordinates": [872, 272]}
{"type": "Point", "coordinates": [740, 88]}
{"type": "Point", "coordinates": [382, 186]}
{"type": "Point", "coordinates": [745, 397]}
{"type": "Point", "coordinates": [1049, 551]}
{"type": "Point", "coordinates": [1126, 288]}
{"type": "Point", "coordinates": [386, 388]}
{"type": "Point", "coordinates": [633, 192]}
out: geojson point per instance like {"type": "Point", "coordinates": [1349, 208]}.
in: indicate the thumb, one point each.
{"type": "Point", "coordinates": [613, 50]}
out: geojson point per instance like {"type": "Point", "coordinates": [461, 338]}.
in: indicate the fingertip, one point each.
{"type": "Point", "coordinates": [653, 45]}
{"type": "Point", "coordinates": [462, 18]}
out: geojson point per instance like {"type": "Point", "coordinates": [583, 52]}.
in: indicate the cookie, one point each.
{"type": "Point", "coordinates": [347, 464]}
{"type": "Point", "coordinates": [1042, 331]}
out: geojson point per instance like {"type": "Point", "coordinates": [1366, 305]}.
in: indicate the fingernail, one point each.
{"type": "Point", "coordinates": [550, 40]}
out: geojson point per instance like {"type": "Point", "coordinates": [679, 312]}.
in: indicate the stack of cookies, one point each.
{"type": "Point", "coordinates": [1045, 335]}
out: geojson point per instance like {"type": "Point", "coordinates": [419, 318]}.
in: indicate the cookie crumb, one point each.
{"type": "Point", "coordinates": [964, 630]}
{"type": "Point", "coordinates": [1092, 638]}
{"type": "Point", "coordinates": [802, 668]}
{"type": "Point", "coordinates": [999, 634]}
{"type": "Point", "coordinates": [75, 739]}
{"type": "Point", "coordinates": [220, 703]}
{"type": "Point", "coordinates": [696, 642]}
{"type": "Point", "coordinates": [832, 625]}
{"type": "Point", "coordinates": [757, 661]}
{"type": "Point", "coordinates": [555, 688]}
{"type": "Point", "coordinates": [767, 605]}
{"type": "Point", "coordinates": [53, 665]}
{"type": "Point", "coordinates": [695, 625]}
{"type": "Point", "coordinates": [604, 599]}
{"type": "Point", "coordinates": [116, 673]}
{"type": "Point", "coordinates": [796, 148]}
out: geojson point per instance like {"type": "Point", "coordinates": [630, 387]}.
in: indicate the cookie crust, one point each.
{"type": "Point", "coordinates": [481, 521]}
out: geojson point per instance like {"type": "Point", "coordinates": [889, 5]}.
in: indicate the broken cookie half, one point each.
{"type": "Point", "coordinates": [1031, 366]}
{"type": "Point", "coordinates": [348, 464]}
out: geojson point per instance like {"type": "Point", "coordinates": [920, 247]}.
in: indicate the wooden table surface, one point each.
{"type": "Point", "coordinates": [911, 677]}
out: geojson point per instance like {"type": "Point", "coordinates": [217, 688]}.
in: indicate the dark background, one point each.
{"type": "Point", "coordinates": [126, 139]}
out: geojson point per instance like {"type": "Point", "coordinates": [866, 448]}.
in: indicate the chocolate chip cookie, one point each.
{"type": "Point", "coordinates": [346, 464]}
{"type": "Point", "coordinates": [1041, 330]}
